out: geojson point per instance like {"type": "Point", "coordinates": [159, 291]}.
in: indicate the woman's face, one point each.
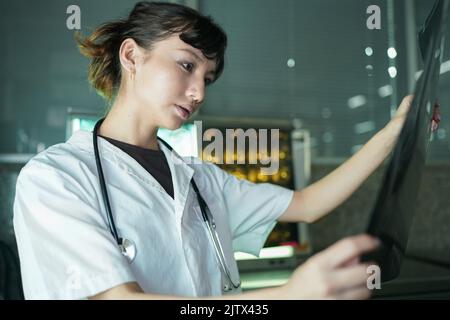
{"type": "Point", "coordinates": [170, 81]}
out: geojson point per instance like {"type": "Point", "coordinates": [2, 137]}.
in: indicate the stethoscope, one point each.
{"type": "Point", "coordinates": [127, 246]}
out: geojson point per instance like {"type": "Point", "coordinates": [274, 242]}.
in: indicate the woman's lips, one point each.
{"type": "Point", "coordinates": [182, 112]}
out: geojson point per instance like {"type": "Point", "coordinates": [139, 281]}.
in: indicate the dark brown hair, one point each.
{"type": "Point", "coordinates": [148, 23]}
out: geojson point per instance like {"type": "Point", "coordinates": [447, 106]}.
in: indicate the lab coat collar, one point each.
{"type": "Point", "coordinates": [181, 177]}
{"type": "Point", "coordinates": [181, 172]}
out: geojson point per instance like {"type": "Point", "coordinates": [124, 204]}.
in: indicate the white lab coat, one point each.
{"type": "Point", "coordinates": [66, 248]}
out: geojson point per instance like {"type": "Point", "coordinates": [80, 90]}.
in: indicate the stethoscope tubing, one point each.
{"type": "Point", "coordinates": [101, 177]}
{"type": "Point", "coordinates": [210, 224]}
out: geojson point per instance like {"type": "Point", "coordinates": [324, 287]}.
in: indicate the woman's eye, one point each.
{"type": "Point", "coordinates": [188, 66]}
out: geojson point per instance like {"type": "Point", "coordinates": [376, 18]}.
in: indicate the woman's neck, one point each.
{"type": "Point", "coordinates": [124, 125]}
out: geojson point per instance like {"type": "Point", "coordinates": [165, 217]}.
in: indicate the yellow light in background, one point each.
{"type": "Point", "coordinates": [275, 177]}
{"type": "Point", "coordinates": [284, 174]}
{"type": "Point", "coordinates": [239, 175]}
{"type": "Point", "coordinates": [262, 177]}
{"type": "Point", "coordinates": [252, 175]}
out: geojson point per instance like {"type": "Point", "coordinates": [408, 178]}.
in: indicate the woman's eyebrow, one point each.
{"type": "Point", "coordinates": [193, 53]}
{"type": "Point", "coordinates": [212, 72]}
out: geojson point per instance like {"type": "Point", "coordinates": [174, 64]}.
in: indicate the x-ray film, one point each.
{"type": "Point", "coordinates": [393, 214]}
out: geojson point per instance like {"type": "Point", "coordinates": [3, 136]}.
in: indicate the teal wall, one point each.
{"type": "Point", "coordinates": [42, 73]}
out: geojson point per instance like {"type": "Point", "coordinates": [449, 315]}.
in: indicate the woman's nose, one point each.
{"type": "Point", "coordinates": [196, 91]}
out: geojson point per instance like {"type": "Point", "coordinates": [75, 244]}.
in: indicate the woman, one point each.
{"type": "Point", "coordinates": [154, 67]}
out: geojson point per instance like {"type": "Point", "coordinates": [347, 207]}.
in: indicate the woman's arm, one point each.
{"type": "Point", "coordinates": [323, 196]}
{"type": "Point", "coordinates": [334, 273]}
{"type": "Point", "coordinates": [132, 291]}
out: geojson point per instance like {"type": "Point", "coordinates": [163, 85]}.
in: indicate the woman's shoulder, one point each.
{"type": "Point", "coordinates": [208, 175]}
{"type": "Point", "coordinates": [64, 157]}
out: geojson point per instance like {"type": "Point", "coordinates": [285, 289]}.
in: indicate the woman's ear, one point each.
{"type": "Point", "coordinates": [128, 55]}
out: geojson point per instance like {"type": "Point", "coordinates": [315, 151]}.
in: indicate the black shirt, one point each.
{"type": "Point", "coordinates": [154, 161]}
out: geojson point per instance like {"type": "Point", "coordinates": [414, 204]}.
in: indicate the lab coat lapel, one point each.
{"type": "Point", "coordinates": [181, 177]}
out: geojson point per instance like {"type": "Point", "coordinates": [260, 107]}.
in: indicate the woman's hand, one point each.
{"type": "Point", "coordinates": [394, 127]}
{"type": "Point", "coordinates": [334, 273]}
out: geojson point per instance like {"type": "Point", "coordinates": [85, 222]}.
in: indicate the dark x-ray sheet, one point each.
{"type": "Point", "coordinates": [394, 210]}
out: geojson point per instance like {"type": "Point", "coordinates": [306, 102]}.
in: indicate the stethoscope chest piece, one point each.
{"type": "Point", "coordinates": [128, 249]}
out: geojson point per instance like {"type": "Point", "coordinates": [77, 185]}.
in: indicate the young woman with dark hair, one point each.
{"type": "Point", "coordinates": [116, 214]}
